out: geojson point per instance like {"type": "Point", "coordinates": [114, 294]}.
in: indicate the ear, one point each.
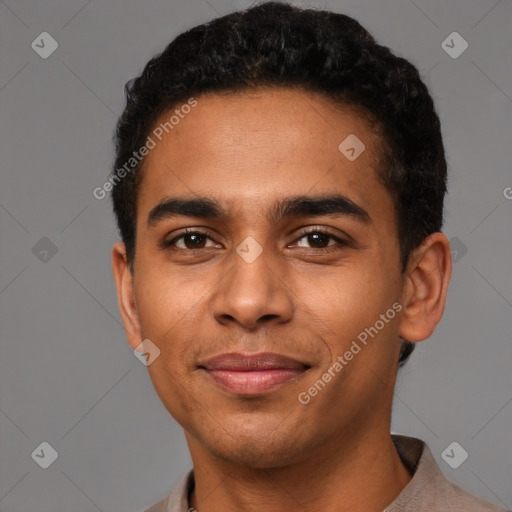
{"type": "Point", "coordinates": [426, 286]}
{"type": "Point", "coordinates": [125, 296]}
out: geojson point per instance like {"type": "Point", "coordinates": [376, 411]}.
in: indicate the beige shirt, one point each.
{"type": "Point", "coordinates": [427, 491]}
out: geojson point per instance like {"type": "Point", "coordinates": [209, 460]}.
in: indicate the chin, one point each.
{"type": "Point", "coordinates": [258, 446]}
{"type": "Point", "coordinates": [255, 454]}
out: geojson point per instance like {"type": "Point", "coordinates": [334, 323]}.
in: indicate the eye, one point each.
{"type": "Point", "coordinates": [190, 239]}
{"type": "Point", "coordinates": [320, 239]}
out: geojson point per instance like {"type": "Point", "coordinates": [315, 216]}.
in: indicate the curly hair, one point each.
{"type": "Point", "coordinates": [276, 45]}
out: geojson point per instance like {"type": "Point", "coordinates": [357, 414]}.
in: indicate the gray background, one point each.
{"type": "Point", "coordinates": [67, 374]}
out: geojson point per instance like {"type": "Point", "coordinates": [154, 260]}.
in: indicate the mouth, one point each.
{"type": "Point", "coordinates": [255, 374]}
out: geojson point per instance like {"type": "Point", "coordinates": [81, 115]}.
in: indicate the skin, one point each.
{"type": "Point", "coordinates": [271, 452]}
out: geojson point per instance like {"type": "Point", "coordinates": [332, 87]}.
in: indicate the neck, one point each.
{"type": "Point", "coordinates": [348, 473]}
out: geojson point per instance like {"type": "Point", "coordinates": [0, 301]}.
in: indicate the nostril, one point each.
{"type": "Point", "coordinates": [268, 317]}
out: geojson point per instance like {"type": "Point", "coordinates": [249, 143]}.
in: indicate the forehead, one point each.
{"type": "Point", "coordinates": [251, 149]}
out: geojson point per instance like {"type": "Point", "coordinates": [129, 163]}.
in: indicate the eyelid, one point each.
{"type": "Point", "coordinates": [301, 234]}
{"type": "Point", "coordinates": [326, 231]}
{"type": "Point", "coordinates": [340, 242]}
{"type": "Point", "coordinates": [179, 235]}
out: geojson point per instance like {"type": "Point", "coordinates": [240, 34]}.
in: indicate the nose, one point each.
{"type": "Point", "coordinates": [252, 294]}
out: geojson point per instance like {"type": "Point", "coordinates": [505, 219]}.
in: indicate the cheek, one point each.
{"type": "Point", "coordinates": [346, 306]}
{"type": "Point", "coordinates": [345, 298]}
{"type": "Point", "coordinates": [164, 301]}
{"type": "Point", "coordinates": [173, 306]}
{"type": "Point", "coordinates": [168, 314]}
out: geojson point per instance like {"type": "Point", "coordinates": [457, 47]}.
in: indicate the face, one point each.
{"type": "Point", "coordinates": [255, 290]}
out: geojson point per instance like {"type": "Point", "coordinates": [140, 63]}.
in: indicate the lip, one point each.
{"type": "Point", "coordinates": [253, 374]}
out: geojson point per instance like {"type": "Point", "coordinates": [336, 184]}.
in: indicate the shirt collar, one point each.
{"type": "Point", "coordinates": [427, 480]}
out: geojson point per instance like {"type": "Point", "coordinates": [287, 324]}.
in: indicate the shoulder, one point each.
{"type": "Point", "coordinates": [177, 501]}
{"type": "Point", "coordinates": [429, 490]}
{"type": "Point", "coordinates": [443, 494]}
{"type": "Point", "coordinates": [463, 500]}
{"type": "Point", "coordinates": [161, 506]}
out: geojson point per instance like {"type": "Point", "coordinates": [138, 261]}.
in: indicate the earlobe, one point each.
{"type": "Point", "coordinates": [125, 294]}
{"type": "Point", "coordinates": [426, 287]}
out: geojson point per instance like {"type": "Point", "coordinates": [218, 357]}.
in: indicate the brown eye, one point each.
{"type": "Point", "coordinates": [193, 240]}
{"type": "Point", "coordinates": [318, 239]}
{"type": "Point", "coordinates": [190, 240]}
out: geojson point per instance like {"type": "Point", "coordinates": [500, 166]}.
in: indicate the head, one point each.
{"type": "Point", "coordinates": [257, 127]}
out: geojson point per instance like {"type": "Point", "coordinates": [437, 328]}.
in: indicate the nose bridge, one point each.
{"type": "Point", "coordinates": [252, 293]}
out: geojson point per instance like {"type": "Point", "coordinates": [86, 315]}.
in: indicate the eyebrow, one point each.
{"type": "Point", "coordinates": [295, 206]}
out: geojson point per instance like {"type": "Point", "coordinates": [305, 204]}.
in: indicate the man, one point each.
{"type": "Point", "coordinates": [278, 185]}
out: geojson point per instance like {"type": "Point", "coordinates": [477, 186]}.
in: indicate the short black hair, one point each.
{"type": "Point", "coordinates": [276, 45]}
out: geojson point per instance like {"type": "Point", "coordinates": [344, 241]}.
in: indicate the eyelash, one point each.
{"type": "Point", "coordinates": [194, 231]}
